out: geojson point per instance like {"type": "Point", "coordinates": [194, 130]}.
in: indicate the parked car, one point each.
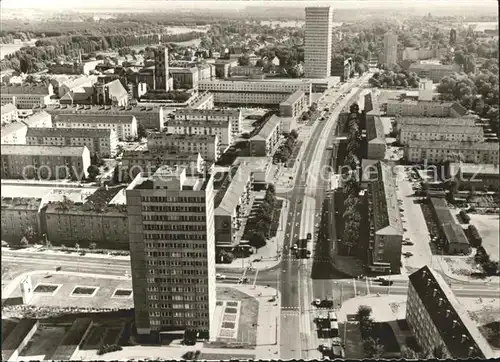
{"type": "Point", "coordinates": [407, 243]}
{"type": "Point", "coordinates": [408, 254]}
{"type": "Point", "coordinates": [220, 277]}
{"type": "Point", "coordinates": [380, 279]}
{"type": "Point", "coordinates": [325, 303]}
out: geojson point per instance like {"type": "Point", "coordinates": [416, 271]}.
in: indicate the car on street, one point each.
{"type": "Point", "coordinates": [407, 254]}
{"type": "Point", "coordinates": [380, 279]}
{"type": "Point", "coordinates": [325, 303]}
{"type": "Point", "coordinates": [407, 243]}
{"type": "Point", "coordinates": [294, 247]}
{"type": "Point", "coordinates": [220, 276]}
{"type": "Point", "coordinates": [243, 280]}
{"type": "Point", "coordinates": [387, 282]}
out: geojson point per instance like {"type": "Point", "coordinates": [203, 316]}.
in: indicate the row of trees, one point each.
{"type": "Point", "coordinates": [285, 151]}
{"type": "Point", "coordinates": [391, 78]}
{"type": "Point", "coordinates": [264, 217]}
{"type": "Point", "coordinates": [352, 203]}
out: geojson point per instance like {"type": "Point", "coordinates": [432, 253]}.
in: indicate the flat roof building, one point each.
{"type": "Point", "coordinates": [441, 132]}
{"type": "Point", "coordinates": [26, 96]}
{"type": "Point", "coordinates": [318, 42]}
{"type": "Point", "coordinates": [207, 145]}
{"type": "Point", "coordinates": [264, 142]}
{"type": "Point", "coordinates": [125, 126]}
{"type": "Point", "coordinates": [477, 176]}
{"type": "Point", "coordinates": [232, 115]}
{"type": "Point", "coordinates": [432, 121]}
{"type": "Point", "coordinates": [294, 105]}
{"type": "Point", "coordinates": [375, 138]}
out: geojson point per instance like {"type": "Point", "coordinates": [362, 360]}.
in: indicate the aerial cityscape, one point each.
{"type": "Point", "coordinates": [250, 180]}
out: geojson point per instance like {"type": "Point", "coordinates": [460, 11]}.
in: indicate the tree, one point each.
{"type": "Point", "coordinates": [24, 242]}
{"type": "Point", "coordinates": [226, 257]}
{"type": "Point", "coordinates": [64, 204]}
{"type": "Point", "coordinates": [372, 348]}
{"type": "Point", "coordinates": [453, 37]}
{"type": "Point", "coordinates": [92, 246]}
{"type": "Point", "coordinates": [363, 312]}
{"type": "Point", "coordinates": [257, 240]}
{"type": "Point", "coordinates": [294, 134]}
{"type": "Point", "coordinates": [243, 60]}
{"type": "Point", "coordinates": [439, 352]}
{"type": "Point", "coordinates": [408, 353]}
{"type": "Point", "coordinates": [354, 108]}
{"type": "Point", "coordinates": [93, 172]}
{"type": "Point", "coordinates": [141, 131]}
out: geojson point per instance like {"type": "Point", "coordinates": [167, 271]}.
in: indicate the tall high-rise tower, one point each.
{"type": "Point", "coordinates": [172, 250]}
{"type": "Point", "coordinates": [390, 56]}
{"type": "Point", "coordinates": [318, 42]}
{"type": "Point", "coordinates": [161, 68]}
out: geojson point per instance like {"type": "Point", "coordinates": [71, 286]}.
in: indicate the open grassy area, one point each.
{"type": "Point", "coordinates": [247, 327]}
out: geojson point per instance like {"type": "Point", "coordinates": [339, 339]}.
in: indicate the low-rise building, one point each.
{"type": "Point", "coordinates": [418, 108]}
{"type": "Point", "coordinates": [135, 162]}
{"type": "Point", "coordinates": [233, 116]}
{"type": "Point", "coordinates": [14, 134]}
{"type": "Point", "coordinates": [208, 146]}
{"type": "Point", "coordinates": [44, 162]}
{"type": "Point", "coordinates": [455, 241]}
{"type": "Point", "coordinates": [294, 105]}
{"type": "Point", "coordinates": [260, 168]}
{"type": "Point", "coordinates": [442, 132]}
{"type": "Point", "coordinates": [436, 318]}
{"type": "Point", "coordinates": [265, 141]}
{"type": "Point", "coordinates": [402, 122]}
{"type": "Point", "coordinates": [247, 70]}
{"type": "Point", "coordinates": [8, 113]}
{"type": "Point", "coordinates": [92, 220]}
{"type": "Point", "coordinates": [150, 117]}
{"type": "Point", "coordinates": [386, 228]}
{"type": "Point", "coordinates": [221, 128]}
{"type": "Point", "coordinates": [27, 96]}
{"type": "Point", "coordinates": [375, 138]}
{"type": "Point", "coordinates": [434, 152]}
{"type": "Point", "coordinates": [125, 126]}
{"type": "Point", "coordinates": [265, 92]}
{"type": "Point", "coordinates": [20, 217]}
{"type": "Point", "coordinates": [101, 142]}
{"type": "Point", "coordinates": [470, 176]}
{"type": "Point", "coordinates": [230, 202]}
{"type": "Point", "coordinates": [432, 71]}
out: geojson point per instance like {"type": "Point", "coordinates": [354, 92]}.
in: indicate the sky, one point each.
{"type": "Point", "coordinates": [228, 4]}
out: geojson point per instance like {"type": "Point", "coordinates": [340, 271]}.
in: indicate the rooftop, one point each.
{"type": "Point", "coordinates": [9, 107]}
{"type": "Point", "coordinates": [68, 132]}
{"type": "Point", "coordinates": [475, 169]}
{"type": "Point", "coordinates": [454, 145]}
{"type": "Point", "coordinates": [69, 109]}
{"type": "Point", "coordinates": [218, 123]}
{"type": "Point", "coordinates": [144, 181]}
{"type": "Point", "coordinates": [24, 203]}
{"type": "Point", "coordinates": [375, 129]}
{"type": "Point", "coordinates": [415, 102]}
{"type": "Point", "coordinates": [182, 70]}
{"type": "Point", "coordinates": [253, 163]}
{"type": "Point", "coordinates": [208, 112]}
{"type": "Point", "coordinates": [42, 90]}
{"type": "Point", "coordinates": [167, 155]}
{"type": "Point", "coordinates": [11, 128]}
{"type": "Point", "coordinates": [228, 196]}
{"type": "Point", "coordinates": [400, 121]}
{"type": "Point", "coordinates": [95, 117]}
{"type": "Point", "coordinates": [116, 90]}
{"type": "Point", "coordinates": [29, 150]}
{"type": "Point", "coordinates": [449, 316]}
{"type": "Point", "coordinates": [442, 128]}
{"type": "Point", "coordinates": [294, 97]}
{"type": "Point", "coordinates": [173, 136]}
{"type": "Point", "coordinates": [35, 118]}
{"type": "Point", "coordinates": [267, 128]}
{"type": "Point", "coordinates": [455, 234]}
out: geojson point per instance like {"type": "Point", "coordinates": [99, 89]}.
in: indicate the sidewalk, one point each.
{"type": "Point", "coordinates": [270, 254]}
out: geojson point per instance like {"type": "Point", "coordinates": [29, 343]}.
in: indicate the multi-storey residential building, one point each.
{"type": "Point", "coordinates": [375, 137]}
{"type": "Point", "coordinates": [230, 204]}
{"type": "Point", "coordinates": [14, 133]}
{"type": "Point", "coordinates": [437, 318]}
{"type": "Point", "coordinates": [125, 126]}
{"type": "Point", "coordinates": [20, 215]}
{"type": "Point", "coordinates": [161, 71]}
{"type": "Point", "coordinates": [150, 117]}
{"type": "Point", "coordinates": [94, 219]}
{"type": "Point", "coordinates": [318, 42]}
{"type": "Point", "coordinates": [208, 146]}
{"type": "Point", "coordinates": [101, 142]}
{"type": "Point", "coordinates": [222, 69]}
{"type": "Point", "coordinates": [264, 142]}
{"type": "Point", "coordinates": [409, 107]}
{"type": "Point", "coordinates": [435, 72]}
{"type": "Point", "coordinates": [135, 162]}
{"type": "Point", "coordinates": [26, 97]}
{"type": "Point", "coordinates": [403, 122]}
{"type": "Point", "coordinates": [221, 128]}
{"type": "Point", "coordinates": [172, 251]}
{"type": "Point", "coordinates": [38, 120]}
{"type": "Point", "coordinates": [294, 105]}
{"type": "Point", "coordinates": [434, 152]}
{"type": "Point", "coordinates": [390, 54]}
{"type": "Point", "coordinates": [186, 78]}
{"type": "Point", "coordinates": [205, 71]}
{"type": "Point", "coordinates": [474, 176]}
{"type": "Point", "coordinates": [441, 132]}
{"type": "Point", "coordinates": [8, 113]}
{"type": "Point", "coordinates": [233, 116]}
{"type": "Point", "coordinates": [45, 162]}
{"type": "Point", "coordinates": [254, 91]}
{"type": "Point", "coordinates": [341, 67]}
{"type": "Point", "coordinates": [386, 229]}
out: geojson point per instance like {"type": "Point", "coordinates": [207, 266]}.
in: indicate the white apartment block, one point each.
{"type": "Point", "coordinates": [434, 152]}
{"type": "Point", "coordinates": [231, 115]}
{"type": "Point", "coordinates": [403, 122]}
{"type": "Point", "coordinates": [410, 107]}
{"type": "Point", "coordinates": [26, 97]}
{"type": "Point", "coordinates": [208, 146]}
{"type": "Point", "coordinates": [125, 126]}
{"type": "Point", "coordinates": [221, 128]}
{"type": "Point", "coordinates": [318, 42]}
{"type": "Point", "coordinates": [102, 142]}
{"type": "Point", "coordinates": [254, 92]}
{"type": "Point", "coordinates": [442, 132]}
{"type": "Point", "coordinates": [172, 251]}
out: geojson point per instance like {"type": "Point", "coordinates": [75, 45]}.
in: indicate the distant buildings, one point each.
{"type": "Point", "coordinates": [422, 53]}
{"type": "Point", "coordinates": [386, 229]}
{"type": "Point", "coordinates": [318, 42]}
{"type": "Point", "coordinates": [248, 71]}
{"type": "Point", "coordinates": [101, 142]}
{"type": "Point", "coordinates": [470, 176]}
{"type": "Point", "coordinates": [185, 78]}
{"type": "Point", "coordinates": [254, 92]}
{"type": "Point", "coordinates": [221, 128]}
{"type": "Point", "coordinates": [25, 97]}
{"type": "Point", "coordinates": [264, 142]}
{"type": "Point", "coordinates": [437, 318]}
{"type": "Point", "coordinates": [294, 105]}
{"type": "Point", "coordinates": [161, 69]}
{"type": "Point", "coordinates": [434, 72]}
{"type": "Point", "coordinates": [442, 132]}
{"type": "Point", "coordinates": [409, 107]}
{"type": "Point", "coordinates": [44, 162]}
{"type": "Point", "coordinates": [390, 53]}
{"type": "Point", "coordinates": [20, 215]}
{"type": "Point", "coordinates": [125, 126]}
{"type": "Point", "coordinates": [70, 85]}
{"type": "Point", "coordinates": [172, 251]}
{"type": "Point", "coordinates": [207, 145]}
{"type": "Point", "coordinates": [341, 67]}
{"type": "Point", "coordinates": [434, 152]}
{"type": "Point", "coordinates": [75, 68]}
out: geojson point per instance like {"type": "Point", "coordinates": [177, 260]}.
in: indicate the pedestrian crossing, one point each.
{"type": "Point", "coordinates": [290, 308]}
